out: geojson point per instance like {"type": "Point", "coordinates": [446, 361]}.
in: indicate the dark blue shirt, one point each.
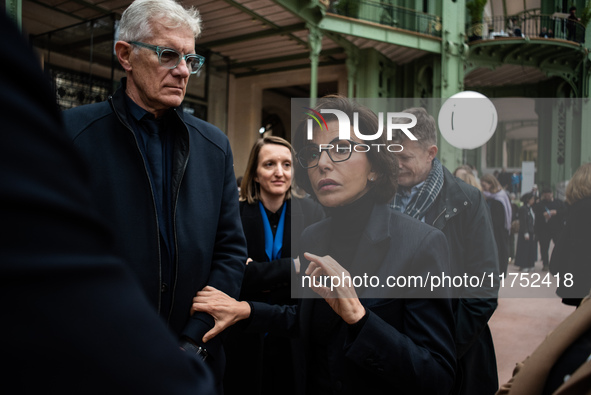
{"type": "Point", "coordinates": [162, 199]}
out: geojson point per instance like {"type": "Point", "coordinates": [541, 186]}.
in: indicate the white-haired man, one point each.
{"type": "Point", "coordinates": [164, 179]}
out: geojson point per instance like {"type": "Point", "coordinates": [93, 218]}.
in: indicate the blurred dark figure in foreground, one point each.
{"type": "Point", "coordinates": [71, 313]}
{"type": "Point", "coordinates": [560, 365]}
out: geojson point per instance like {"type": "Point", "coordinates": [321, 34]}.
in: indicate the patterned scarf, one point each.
{"type": "Point", "coordinates": [418, 206]}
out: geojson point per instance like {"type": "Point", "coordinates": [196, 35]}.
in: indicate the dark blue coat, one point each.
{"type": "Point", "coordinates": [74, 319]}
{"type": "Point", "coordinates": [210, 244]}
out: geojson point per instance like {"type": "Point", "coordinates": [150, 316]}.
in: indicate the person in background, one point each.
{"type": "Point", "coordinates": [461, 170]}
{"type": "Point", "coordinates": [501, 215]}
{"type": "Point", "coordinates": [550, 214]}
{"type": "Point", "coordinates": [262, 363]}
{"type": "Point", "coordinates": [163, 179]}
{"type": "Point", "coordinates": [536, 192]}
{"type": "Point", "coordinates": [238, 183]}
{"type": "Point", "coordinates": [571, 24]}
{"type": "Point", "coordinates": [74, 318]}
{"type": "Point", "coordinates": [504, 178]}
{"type": "Point", "coordinates": [571, 252]}
{"type": "Point", "coordinates": [468, 177]}
{"type": "Point", "coordinates": [516, 179]}
{"type": "Point", "coordinates": [357, 339]}
{"type": "Point", "coordinates": [544, 32]}
{"type": "Point", "coordinates": [515, 204]}
{"type": "Point", "coordinates": [527, 251]}
{"type": "Point", "coordinates": [430, 193]}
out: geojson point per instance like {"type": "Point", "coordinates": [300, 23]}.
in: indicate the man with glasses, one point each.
{"type": "Point", "coordinates": [163, 178]}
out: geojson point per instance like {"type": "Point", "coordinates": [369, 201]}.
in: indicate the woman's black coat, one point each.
{"type": "Point", "coordinates": [258, 363]}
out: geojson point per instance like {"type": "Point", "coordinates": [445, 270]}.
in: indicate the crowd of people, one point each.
{"type": "Point", "coordinates": [134, 264]}
{"type": "Point", "coordinates": [522, 226]}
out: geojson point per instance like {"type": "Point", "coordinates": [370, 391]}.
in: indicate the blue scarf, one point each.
{"type": "Point", "coordinates": [273, 245]}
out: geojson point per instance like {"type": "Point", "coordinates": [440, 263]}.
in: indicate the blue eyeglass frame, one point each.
{"type": "Point", "coordinates": [159, 51]}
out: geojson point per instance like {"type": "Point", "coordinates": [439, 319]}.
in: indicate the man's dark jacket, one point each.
{"type": "Point", "coordinates": [74, 319]}
{"type": "Point", "coordinates": [210, 245]}
{"type": "Point", "coordinates": [460, 211]}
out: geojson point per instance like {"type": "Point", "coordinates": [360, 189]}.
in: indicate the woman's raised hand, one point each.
{"type": "Point", "coordinates": [335, 286]}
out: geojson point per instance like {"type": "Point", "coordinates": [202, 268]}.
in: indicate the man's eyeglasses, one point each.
{"type": "Point", "coordinates": [170, 58]}
{"type": "Point", "coordinates": [338, 151]}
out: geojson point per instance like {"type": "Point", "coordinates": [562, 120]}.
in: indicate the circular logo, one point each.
{"type": "Point", "coordinates": [467, 120]}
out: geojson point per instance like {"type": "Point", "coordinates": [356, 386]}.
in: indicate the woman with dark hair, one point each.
{"type": "Point", "coordinates": [358, 338]}
{"type": "Point", "coordinates": [527, 251]}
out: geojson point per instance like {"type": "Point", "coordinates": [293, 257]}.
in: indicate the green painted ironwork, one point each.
{"type": "Point", "coordinates": [258, 35]}
{"type": "Point", "coordinates": [389, 15]}
{"type": "Point", "coordinates": [451, 74]}
{"type": "Point", "coordinates": [315, 44]}
{"type": "Point", "coordinates": [14, 10]}
{"type": "Point", "coordinates": [528, 24]}
{"type": "Point", "coordinates": [337, 24]}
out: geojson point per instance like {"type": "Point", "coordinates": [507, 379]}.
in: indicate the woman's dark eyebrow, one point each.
{"type": "Point", "coordinates": [336, 139]}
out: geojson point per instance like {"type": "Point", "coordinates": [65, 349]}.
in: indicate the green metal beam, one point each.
{"type": "Point", "coordinates": [262, 19]}
{"type": "Point", "coordinates": [315, 36]}
{"type": "Point", "coordinates": [387, 34]}
{"type": "Point", "coordinates": [288, 68]}
{"type": "Point", "coordinates": [551, 58]}
{"type": "Point", "coordinates": [280, 59]}
{"type": "Point", "coordinates": [309, 10]}
{"type": "Point", "coordinates": [512, 41]}
{"type": "Point", "coordinates": [255, 36]}
{"type": "Point", "coordinates": [454, 52]}
{"type": "Point", "coordinates": [14, 10]}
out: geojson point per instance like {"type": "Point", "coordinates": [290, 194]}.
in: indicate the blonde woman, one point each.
{"type": "Point", "coordinates": [571, 253]}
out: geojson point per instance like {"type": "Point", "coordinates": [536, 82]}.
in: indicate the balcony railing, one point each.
{"type": "Point", "coordinates": [524, 25]}
{"type": "Point", "coordinates": [388, 15]}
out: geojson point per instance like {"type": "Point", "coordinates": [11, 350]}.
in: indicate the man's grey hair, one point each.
{"type": "Point", "coordinates": [425, 130]}
{"type": "Point", "coordinates": [136, 21]}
